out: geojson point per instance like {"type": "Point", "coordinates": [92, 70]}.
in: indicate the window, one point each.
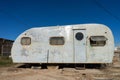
{"type": "Point", "coordinates": [57, 41]}
{"type": "Point", "coordinates": [25, 40]}
{"type": "Point", "coordinates": [98, 40]}
{"type": "Point", "coordinates": [79, 36]}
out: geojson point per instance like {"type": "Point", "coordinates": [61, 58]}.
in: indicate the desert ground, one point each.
{"type": "Point", "coordinates": [13, 73]}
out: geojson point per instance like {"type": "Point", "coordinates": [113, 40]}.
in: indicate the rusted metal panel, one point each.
{"type": "Point", "coordinates": [41, 51]}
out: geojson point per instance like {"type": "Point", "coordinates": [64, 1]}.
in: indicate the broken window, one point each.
{"type": "Point", "coordinates": [98, 40]}
{"type": "Point", "coordinates": [57, 41]}
{"type": "Point", "coordinates": [25, 40]}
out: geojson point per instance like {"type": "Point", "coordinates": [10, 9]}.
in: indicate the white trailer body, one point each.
{"type": "Point", "coordinates": [84, 43]}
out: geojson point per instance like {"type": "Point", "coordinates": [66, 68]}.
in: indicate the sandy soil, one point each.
{"type": "Point", "coordinates": [59, 74]}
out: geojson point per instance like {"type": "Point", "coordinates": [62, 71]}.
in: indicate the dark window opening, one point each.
{"type": "Point", "coordinates": [57, 41]}
{"type": "Point", "coordinates": [25, 40]}
{"type": "Point", "coordinates": [79, 36]}
{"type": "Point", "coordinates": [98, 40]}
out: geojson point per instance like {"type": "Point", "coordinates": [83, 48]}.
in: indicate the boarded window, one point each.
{"type": "Point", "coordinates": [25, 40]}
{"type": "Point", "coordinates": [57, 41]}
{"type": "Point", "coordinates": [98, 40]}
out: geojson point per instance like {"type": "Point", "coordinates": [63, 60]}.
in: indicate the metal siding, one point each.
{"type": "Point", "coordinates": [61, 53]}
{"type": "Point", "coordinates": [80, 47]}
{"type": "Point", "coordinates": [38, 51]}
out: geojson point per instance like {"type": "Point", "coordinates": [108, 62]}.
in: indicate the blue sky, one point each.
{"type": "Point", "coordinates": [18, 15]}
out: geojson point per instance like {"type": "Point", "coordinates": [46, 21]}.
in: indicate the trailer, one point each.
{"type": "Point", "coordinates": [71, 44]}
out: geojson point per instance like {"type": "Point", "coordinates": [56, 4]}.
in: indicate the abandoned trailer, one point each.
{"type": "Point", "coordinates": [82, 43]}
{"type": "Point", "coordinates": [5, 47]}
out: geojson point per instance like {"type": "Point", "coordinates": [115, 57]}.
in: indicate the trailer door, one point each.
{"type": "Point", "coordinates": [79, 46]}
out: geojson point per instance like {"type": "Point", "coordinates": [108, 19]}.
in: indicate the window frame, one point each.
{"type": "Point", "coordinates": [98, 43]}
{"type": "Point", "coordinates": [22, 43]}
{"type": "Point", "coordinates": [56, 43]}
{"type": "Point", "coordinates": [79, 36]}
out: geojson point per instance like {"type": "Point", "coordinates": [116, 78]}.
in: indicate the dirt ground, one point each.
{"type": "Point", "coordinates": [11, 73]}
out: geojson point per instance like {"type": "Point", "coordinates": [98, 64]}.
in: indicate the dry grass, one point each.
{"type": "Point", "coordinates": [5, 61]}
